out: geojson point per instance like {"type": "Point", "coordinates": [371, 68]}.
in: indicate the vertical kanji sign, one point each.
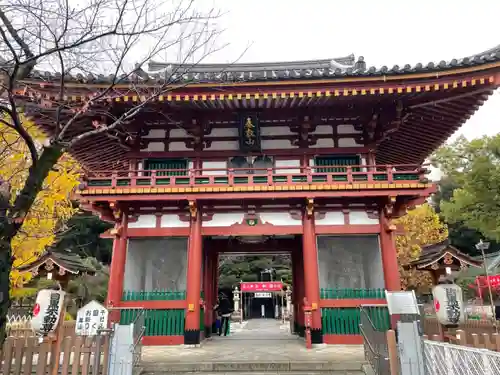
{"type": "Point", "coordinates": [47, 310]}
{"type": "Point", "coordinates": [91, 318]}
{"type": "Point", "coordinates": [448, 303]}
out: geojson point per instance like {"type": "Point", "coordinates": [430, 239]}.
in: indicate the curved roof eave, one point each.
{"type": "Point", "coordinates": [309, 71]}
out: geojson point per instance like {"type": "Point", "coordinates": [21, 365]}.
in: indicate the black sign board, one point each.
{"type": "Point", "coordinates": [249, 133]}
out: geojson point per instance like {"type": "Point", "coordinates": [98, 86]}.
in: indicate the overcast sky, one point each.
{"type": "Point", "coordinates": [385, 32]}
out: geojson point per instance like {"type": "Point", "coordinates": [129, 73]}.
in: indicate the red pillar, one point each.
{"type": "Point", "coordinates": [390, 265]}
{"type": "Point", "coordinates": [117, 269]}
{"type": "Point", "coordinates": [195, 257]}
{"type": "Point", "coordinates": [311, 277]}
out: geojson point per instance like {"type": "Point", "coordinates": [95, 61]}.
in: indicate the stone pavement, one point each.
{"type": "Point", "coordinates": [258, 340]}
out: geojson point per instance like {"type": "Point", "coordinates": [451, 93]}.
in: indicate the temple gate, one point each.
{"type": "Point", "coordinates": [310, 158]}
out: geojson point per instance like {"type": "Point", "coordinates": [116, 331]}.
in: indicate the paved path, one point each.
{"type": "Point", "coordinates": [257, 340]}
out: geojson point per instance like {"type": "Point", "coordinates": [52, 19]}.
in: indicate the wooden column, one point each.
{"type": "Point", "coordinates": [117, 268]}
{"type": "Point", "coordinates": [390, 265]}
{"type": "Point", "coordinates": [195, 258]}
{"type": "Point", "coordinates": [311, 276]}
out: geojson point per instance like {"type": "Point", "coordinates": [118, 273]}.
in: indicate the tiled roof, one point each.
{"type": "Point", "coordinates": [433, 253]}
{"type": "Point", "coordinates": [69, 262]}
{"type": "Point", "coordinates": [347, 66]}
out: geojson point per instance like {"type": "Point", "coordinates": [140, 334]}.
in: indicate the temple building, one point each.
{"type": "Point", "coordinates": [310, 158]}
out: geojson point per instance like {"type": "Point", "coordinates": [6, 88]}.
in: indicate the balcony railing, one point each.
{"type": "Point", "coordinates": [275, 176]}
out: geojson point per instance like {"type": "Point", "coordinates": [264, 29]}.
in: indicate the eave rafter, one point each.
{"type": "Point", "coordinates": [427, 111]}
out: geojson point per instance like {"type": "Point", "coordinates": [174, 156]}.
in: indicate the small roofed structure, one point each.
{"type": "Point", "coordinates": [442, 259]}
{"type": "Point", "coordinates": [58, 266]}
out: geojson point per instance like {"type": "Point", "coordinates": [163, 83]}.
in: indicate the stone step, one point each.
{"type": "Point", "coordinates": [269, 367]}
{"type": "Point", "coordinates": [334, 372]}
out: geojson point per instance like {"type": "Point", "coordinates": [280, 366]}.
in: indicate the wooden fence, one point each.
{"type": "Point", "coordinates": [473, 333]}
{"type": "Point", "coordinates": [80, 355]}
{"type": "Point", "coordinates": [24, 330]}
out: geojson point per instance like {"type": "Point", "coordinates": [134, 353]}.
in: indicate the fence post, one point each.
{"type": "Point", "coordinates": [486, 364]}
{"type": "Point", "coordinates": [462, 337]}
{"type": "Point", "coordinates": [392, 348]}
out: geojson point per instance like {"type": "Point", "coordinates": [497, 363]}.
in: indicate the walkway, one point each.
{"type": "Point", "coordinates": [257, 340]}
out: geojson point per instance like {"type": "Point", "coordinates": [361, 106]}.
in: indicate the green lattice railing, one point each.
{"type": "Point", "coordinates": [336, 293]}
{"type": "Point", "coordinates": [157, 322]}
{"type": "Point", "coordinates": [156, 295]}
{"type": "Point", "coordinates": [346, 320]}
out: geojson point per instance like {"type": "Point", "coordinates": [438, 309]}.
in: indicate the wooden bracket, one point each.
{"type": "Point", "coordinates": [309, 207]}
{"type": "Point", "coordinates": [116, 231]}
{"type": "Point", "coordinates": [388, 215]}
{"type": "Point", "coordinates": [117, 213]}
{"type": "Point", "coordinates": [193, 209]}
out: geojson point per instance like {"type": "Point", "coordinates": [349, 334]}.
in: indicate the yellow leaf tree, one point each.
{"type": "Point", "coordinates": [420, 227]}
{"type": "Point", "coordinates": [52, 205]}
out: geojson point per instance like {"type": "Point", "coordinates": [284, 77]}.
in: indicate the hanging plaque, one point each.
{"type": "Point", "coordinates": [249, 133]}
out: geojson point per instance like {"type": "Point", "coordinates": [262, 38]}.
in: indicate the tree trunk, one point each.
{"type": "Point", "coordinates": [5, 267]}
{"type": "Point", "coordinates": [12, 219]}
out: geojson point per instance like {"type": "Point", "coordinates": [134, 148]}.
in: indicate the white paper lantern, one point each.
{"type": "Point", "coordinates": [449, 304]}
{"type": "Point", "coordinates": [47, 310]}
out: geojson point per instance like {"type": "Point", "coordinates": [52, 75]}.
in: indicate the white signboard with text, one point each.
{"type": "Point", "coordinates": [91, 318]}
{"type": "Point", "coordinates": [47, 310]}
{"type": "Point", "coordinates": [263, 295]}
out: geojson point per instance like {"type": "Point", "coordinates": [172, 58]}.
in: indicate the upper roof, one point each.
{"type": "Point", "coordinates": [433, 254]}
{"type": "Point", "coordinates": [347, 66]}
{"type": "Point", "coordinates": [62, 262]}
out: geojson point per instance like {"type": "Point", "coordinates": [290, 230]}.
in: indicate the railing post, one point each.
{"type": "Point", "coordinates": [390, 176]}
{"type": "Point", "coordinates": [392, 348]}
{"type": "Point", "coordinates": [309, 173]}
{"type": "Point", "coordinates": [349, 175]}
{"type": "Point", "coordinates": [114, 177]}
{"type": "Point", "coordinates": [230, 176]}
{"type": "Point", "coordinates": [269, 176]}
{"type": "Point", "coordinates": [153, 178]}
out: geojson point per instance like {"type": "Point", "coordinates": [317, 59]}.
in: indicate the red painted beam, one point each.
{"type": "Point", "coordinates": [152, 305]}
{"type": "Point", "coordinates": [162, 340]}
{"type": "Point", "coordinates": [343, 339]}
{"type": "Point", "coordinates": [337, 303]}
{"type": "Point", "coordinates": [243, 230]}
{"type": "Point", "coordinates": [262, 195]}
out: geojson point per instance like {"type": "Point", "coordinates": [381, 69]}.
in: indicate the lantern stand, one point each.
{"type": "Point", "coordinates": [60, 267]}
{"type": "Point", "coordinates": [442, 261]}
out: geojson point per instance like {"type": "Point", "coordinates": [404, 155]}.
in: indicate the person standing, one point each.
{"type": "Point", "coordinates": [224, 309]}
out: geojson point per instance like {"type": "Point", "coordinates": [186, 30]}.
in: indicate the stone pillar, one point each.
{"type": "Point", "coordinates": [117, 268]}
{"type": "Point", "coordinates": [192, 325]}
{"type": "Point", "coordinates": [311, 276]}
{"type": "Point", "coordinates": [392, 279]}
{"type": "Point", "coordinates": [236, 299]}
{"type": "Point", "coordinates": [288, 297]}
